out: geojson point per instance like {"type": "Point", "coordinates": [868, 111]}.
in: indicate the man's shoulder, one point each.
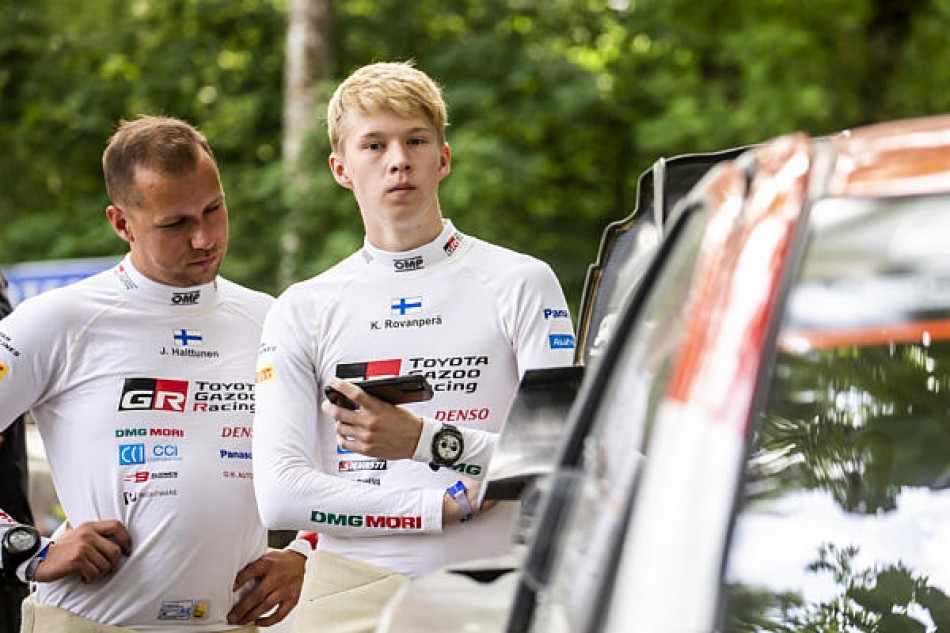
{"type": "Point", "coordinates": [326, 284]}
{"type": "Point", "coordinates": [503, 260]}
{"type": "Point", "coordinates": [59, 310]}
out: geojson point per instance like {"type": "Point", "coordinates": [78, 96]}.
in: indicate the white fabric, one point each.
{"type": "Point", "coordinates": [143, 395]}
{"type": "Point", "coordinates": [469, 315]}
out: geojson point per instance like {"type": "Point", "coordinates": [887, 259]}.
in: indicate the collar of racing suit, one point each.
{"type": "Point", "coordinates": [138, 287]}
{"type": "Point", "coordinates": [447, 245]}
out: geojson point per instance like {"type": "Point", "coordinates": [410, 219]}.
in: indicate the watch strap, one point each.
{"type": "Point", "coordinates": [457, 492]}
{"type": "Point", "coordinates": [29, 572]}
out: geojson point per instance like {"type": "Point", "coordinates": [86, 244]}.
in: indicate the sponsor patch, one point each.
{"type": "Point", "coordinates": [369, 369]}
{"type": "Point", "coordinates": [357, 465]}
{"type": "Point", "coordinates": [131, 454]}
{"type": "Point", "coordinates": [555, 313]}
{"type": "Point", "coordinates": [153, 394]}
{"type": "Point", "coordinates": [3, 370]}
{"type": "Point", "coordinates": [264, 374]}
{"type": "Point", "coordinates": [452, 244]}
{"type": "Point", "coordinates": [561, 341]}
{"type": "Point", "coordinates": [183, 610]}
{"type": "Point", "coordinates": [189, 298]}
{"type": "Point", "coordinates": [408, 264]}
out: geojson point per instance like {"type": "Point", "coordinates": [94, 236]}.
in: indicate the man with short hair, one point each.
{"type": "Point", "coordinates": [385, 486]}
{"type": "Point", "coordinates": [140, 380]}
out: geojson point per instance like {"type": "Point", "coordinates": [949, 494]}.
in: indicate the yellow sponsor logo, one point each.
{"type": "Point", "coordinates": [3, 370]}
{"type": "Point", "coordinates": [265, 374]}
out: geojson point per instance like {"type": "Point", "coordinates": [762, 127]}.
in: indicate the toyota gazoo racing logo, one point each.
{"type": "Point", "coordinates": [153, 394]}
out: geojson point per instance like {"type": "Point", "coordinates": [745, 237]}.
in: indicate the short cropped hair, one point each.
{"type": "Point", "coordinates": [395, 87]}
{"type": "Point", "coordinates": [166, 144]}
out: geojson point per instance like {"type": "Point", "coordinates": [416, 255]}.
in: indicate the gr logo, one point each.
{"type": "Point", "coordinates": [130, 454]}
{"type": "Point", "coordinates": [140, 394]}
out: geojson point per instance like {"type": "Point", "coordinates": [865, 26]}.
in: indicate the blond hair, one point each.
{"type": "Point", "coordinates": [395, 87]}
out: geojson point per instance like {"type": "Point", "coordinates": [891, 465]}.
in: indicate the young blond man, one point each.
{"type": "Point", "coordinates": [380, 483]}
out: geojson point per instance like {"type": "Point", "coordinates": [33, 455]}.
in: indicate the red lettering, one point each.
{"type": "Point", "coordinates": [394, 522]}
{"type": "Point", "coordinates": [462, 415]}
{"type": "Point", "coordinates": [236, 431]}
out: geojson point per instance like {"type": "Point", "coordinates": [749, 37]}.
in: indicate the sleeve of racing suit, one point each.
{"type": "Point", "coordinates": [31, 337]}
{"type": "Point", "coordinates": [290, 477]}
{"type": "Point", "coordinates": [542, 334]}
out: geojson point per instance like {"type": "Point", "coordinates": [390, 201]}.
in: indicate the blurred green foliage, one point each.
{"type": "Point", "coordinates": [556, 106]}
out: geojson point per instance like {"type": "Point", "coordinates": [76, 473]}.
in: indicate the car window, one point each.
{"type": "Point", "coordinates": [842, 523]}
{"type": "Point", "coordinates": [612, 451]}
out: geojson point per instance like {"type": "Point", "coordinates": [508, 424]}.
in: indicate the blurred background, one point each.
{"type": "Point", "coordinates": [555, 106]}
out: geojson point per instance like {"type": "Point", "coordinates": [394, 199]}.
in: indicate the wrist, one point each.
{"type": "Point", "coordinates": [458, 493]}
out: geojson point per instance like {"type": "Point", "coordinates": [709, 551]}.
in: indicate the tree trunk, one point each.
{"type": "Point", "coordinates": [309, 62]}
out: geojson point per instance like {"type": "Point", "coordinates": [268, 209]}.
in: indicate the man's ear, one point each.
{"type": "Point", "coordinates": [445, 161]}
{"type": "Point", "coordinates": [338, 169]}
{"type": "Point", "coordinates": [120, 223]}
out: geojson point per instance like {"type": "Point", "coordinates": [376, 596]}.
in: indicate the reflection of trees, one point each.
{"type": "Point", "coordinates": [874, 600]}
{"type": "Point", "coordinates": [859, 422]}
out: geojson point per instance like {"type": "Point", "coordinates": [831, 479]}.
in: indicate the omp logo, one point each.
{"type": "Point", "coordinates": [408, 264]}
{"type": "Point", "coordinates": [130, 454]}
{"type": "Point", "coordinates": [186, 298]}
{"type": "Point", "coordinates": [140, 394]}
{"type": "Point", "coordinates": [3, 370]}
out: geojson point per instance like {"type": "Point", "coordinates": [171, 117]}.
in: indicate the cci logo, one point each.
{"type": "Point", "coordinates": [140, 394]}
{"type": "Point", "coordinates": [130, 454]}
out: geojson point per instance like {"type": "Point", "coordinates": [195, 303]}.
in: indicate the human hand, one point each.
{"type": "Point", "coordinates": [91, 550]}
{"type": "Point", "coordinates": [376, 428]}
{"type": "Point", "coordinates": [279, 576]}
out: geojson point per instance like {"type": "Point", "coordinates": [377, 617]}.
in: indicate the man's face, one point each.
{"type": "Point", "coordinates": [177, 229]}
{"type": "Point", "coordinates": [393, 165]}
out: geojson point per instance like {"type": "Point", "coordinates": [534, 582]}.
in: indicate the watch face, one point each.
{"type": "Point", "coordinates": [448, 447]}
{"type": "Point", "coordinates": [20, 540]}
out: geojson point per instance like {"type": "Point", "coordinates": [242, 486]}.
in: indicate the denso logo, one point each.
{"type": "Point", "coordinates": [156, 394]}
{"type": "Point", "coordinates": [237, 431]}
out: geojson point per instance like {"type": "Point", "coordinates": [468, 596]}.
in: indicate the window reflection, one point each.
{"type": "Point", "coordinates": [842, 521]}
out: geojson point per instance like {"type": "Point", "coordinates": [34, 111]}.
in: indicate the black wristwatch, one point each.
{"type": "Point", "coordinates": [447, 447]}
{"type": "Point", "coordinates": [19, 544]}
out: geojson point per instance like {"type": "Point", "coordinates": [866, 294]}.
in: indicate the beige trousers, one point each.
{"type": "Point", "coordinates": [41, 618]}
{"type": "Point", "coordinates": [341, 595]}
